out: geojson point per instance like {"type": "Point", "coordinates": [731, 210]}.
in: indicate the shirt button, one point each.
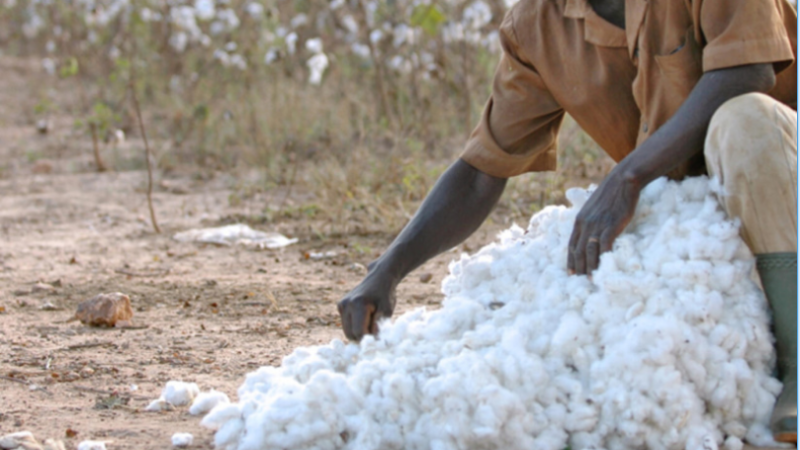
{"type": "Point", "coordinates": [644, 128]}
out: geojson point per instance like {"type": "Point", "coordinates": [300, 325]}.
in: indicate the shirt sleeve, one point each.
{"type": "Point", "coordinates": [520, 123]}
{"type": "Point", "coordinates": [740, 32]}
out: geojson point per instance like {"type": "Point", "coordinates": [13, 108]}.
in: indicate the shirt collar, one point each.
{"type": "Point", "coordinates": [596, 30]}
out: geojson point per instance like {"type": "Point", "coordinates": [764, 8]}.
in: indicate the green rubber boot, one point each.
{"type": "Point", "coordinates": [778, 273]}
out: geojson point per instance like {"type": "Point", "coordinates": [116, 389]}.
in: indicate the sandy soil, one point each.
{"type": "Point", "coordinates": [204, 313]}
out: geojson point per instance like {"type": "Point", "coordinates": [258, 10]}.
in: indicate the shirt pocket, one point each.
{"type": "Point", "coordinates": [682, 67]}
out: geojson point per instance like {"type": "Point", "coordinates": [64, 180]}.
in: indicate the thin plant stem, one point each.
{"type": "Point", "coordinates": [138, 110]}
{"type": "Point", "coordinates": [97, 159]}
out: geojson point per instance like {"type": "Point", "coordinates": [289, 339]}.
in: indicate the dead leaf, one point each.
{"type": "Point", "coordinates": [70, 433]}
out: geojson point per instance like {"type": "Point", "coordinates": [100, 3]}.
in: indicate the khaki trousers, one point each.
{"type": "Point", "coordinates": [751, 146]}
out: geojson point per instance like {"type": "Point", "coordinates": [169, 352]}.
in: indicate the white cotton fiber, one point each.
{"type": "Point", "coordinates": [179, 393]}
{"type": "Point", "coordinates": [92, 445]}
{"type": "Point", "coordinates": [159, 404]}
{"type": "Point", "coordinates": [182, 439]}
{"type": "Point", "coordinates": [206, 401]}
{"type": "Point", "coordinates": [667, 346]}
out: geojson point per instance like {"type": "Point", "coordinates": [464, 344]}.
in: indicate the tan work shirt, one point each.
{"type": "Point", "coordinates": [619, 85]}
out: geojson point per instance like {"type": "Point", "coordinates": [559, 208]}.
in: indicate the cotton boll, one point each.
{"type": "Point", "coordinates": [314, 45]}
{"type": "Point", "coordinates": [179, 393]}
{"type": "Point", "coordinates": [182, 439]}
{"type": "Point", "coordinates": [316, 66]}
{"type": "Point", "coordinates": [206, 401]}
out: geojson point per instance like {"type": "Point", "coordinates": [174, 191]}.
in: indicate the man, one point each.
{"type": "Point", "coordinates": [665, 87]}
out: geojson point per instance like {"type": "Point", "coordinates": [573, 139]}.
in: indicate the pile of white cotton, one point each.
{"type": "Point", "coordinates": [666, 347]}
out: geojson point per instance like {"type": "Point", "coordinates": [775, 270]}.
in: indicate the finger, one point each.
{"type": "Point", "coordinates": [580, 256]}
{"type": "Point", "coordinates": [373, 324]}
{"type": "Point", "coordinates": [607, 241]}
{"type": "Point", "coordinates": [346, 321]}
{"type": "Point", "coordinates": [362, 317]}
{"type": "Point", "coordinates": [592, 254]}
{"type": "Point", "coordinates": [358, 317]}
{"type": "Point", "coordinates": [370, 324]}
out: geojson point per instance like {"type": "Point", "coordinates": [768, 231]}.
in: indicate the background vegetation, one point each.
{"type": "Point", "coordinates": [360, 103]}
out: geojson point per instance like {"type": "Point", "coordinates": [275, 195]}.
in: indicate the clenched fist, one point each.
{"type": "Point", "coordinates": [361, 308]}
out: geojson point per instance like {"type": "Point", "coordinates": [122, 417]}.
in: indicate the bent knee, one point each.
{"type": "Point", "coordinates": [740, 127]}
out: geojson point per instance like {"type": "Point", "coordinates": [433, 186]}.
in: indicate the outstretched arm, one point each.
{"type": "Point", "coordinates": [456, 206]}
{"type": "Point", "coordinates": [612, 205]}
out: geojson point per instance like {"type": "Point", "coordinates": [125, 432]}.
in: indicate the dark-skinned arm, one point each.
{"type": "Point", "coordinates": [611, 206]}
{"type": "Point", "coordinates": [456, 206]}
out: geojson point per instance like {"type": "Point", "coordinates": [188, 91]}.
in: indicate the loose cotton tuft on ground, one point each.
{"type": "Point", "coordinates": [666, 347]}
{"type": "Point", "coordinates": [206, 401]}
{"type": "Point", "coordinates": [182, 439]}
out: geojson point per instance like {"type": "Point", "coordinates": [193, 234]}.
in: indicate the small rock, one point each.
{"type": "Point", "coordinates": [42, 126]}
{"type": "Point", "coordinates": [87, 372]}
{"type": "Point", "coordinates": [182, 439]}
{"type": "Point", "coordinates": [425, 277]}
{"type": "Point", "coordinates": [105, 310]}
{"type": "Point", "coordinates": [42, 287]}
{"type": "Point", "coordinates": [53, 444]}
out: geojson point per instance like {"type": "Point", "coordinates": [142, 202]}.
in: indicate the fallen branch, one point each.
{"type": "Point", "coordinates": [89, 345]}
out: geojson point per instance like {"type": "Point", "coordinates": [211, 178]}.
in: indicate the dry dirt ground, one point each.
{"type": "Point", "coordinates": [204, 313]}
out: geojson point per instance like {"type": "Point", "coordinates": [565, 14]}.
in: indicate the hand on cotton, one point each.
{"type": "Point", "coordinates": [602, 218]}
{"type": "Point", "coordinates": [361, 308]}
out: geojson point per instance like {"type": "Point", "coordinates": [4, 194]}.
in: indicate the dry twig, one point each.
{"type": "Point", "coordinates": [135, 100]}
{"type": "Point", "coordinates": [97, 159]}
{"type": "Point", "coordinates": [15, 380]}
{"type": "Point", "coordinates": [88, 345]}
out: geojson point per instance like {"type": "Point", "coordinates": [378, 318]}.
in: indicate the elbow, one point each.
{"type": "Point", "coordinates": [763, 78]}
